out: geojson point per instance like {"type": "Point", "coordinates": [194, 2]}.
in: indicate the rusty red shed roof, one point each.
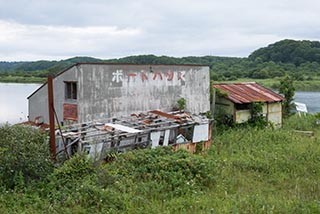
{"type": "Point", "coordinates": [248, 92]}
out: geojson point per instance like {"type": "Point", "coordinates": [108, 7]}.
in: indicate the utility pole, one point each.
{"type": "Point", "coordinates": [51, 117]}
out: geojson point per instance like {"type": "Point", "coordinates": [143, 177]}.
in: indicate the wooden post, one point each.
{"type": "Point", "coordinates": [51, 117]}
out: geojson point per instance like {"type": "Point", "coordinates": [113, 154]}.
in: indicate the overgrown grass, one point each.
{"type": "Point", "coordinates": [268, 170]}
{"type": "Point", "coordinates": [248, 170]}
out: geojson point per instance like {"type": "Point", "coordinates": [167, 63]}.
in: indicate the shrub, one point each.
{"type": "Point", "coordinates": [162, 171]}
{"type": "Point", "coordinates": [24, 156]}
{"type": "Point", "coordinates": [181, 104]}
{"type": "Point", "coordinates": [257, 119]}
{"type": "Point", "coordinates": [73, 169]}
{"type": "Point", "coordinates": [305, 122]}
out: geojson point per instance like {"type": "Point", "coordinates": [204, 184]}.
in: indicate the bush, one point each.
{"type": "Point", "coordinates": [76, 168]}
{"type": "Point", "coordinates": [181, 104]}
{"type": "Point", "coordinates": [24, 156]}
{"type": "Point", "coordinates": [162, 171]}
{"type": "Point", "coordinates": [304, 122]}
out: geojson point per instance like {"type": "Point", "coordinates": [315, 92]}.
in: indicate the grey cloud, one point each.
{"type": "Point", "coordinates": [64, 28]}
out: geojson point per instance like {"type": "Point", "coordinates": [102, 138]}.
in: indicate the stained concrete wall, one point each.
{"type": "Point", "coordinates": [38, 102]}
{"type": "Point", "coordinates": [106, 90]}
{"type": "Point", "coordinates": [274, 113]}
{"type": "Point", "coordinates": [223, 106]}
{"type": "Point", "coordinates": [119, 90]}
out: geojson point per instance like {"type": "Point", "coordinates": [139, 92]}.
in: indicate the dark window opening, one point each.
{"type": "Point", "coordinates": [244, 106]}
{"type": "Point", "coordinates": [71, 90]}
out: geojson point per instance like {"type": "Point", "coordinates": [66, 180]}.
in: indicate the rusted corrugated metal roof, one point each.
{"type": "Point", "coordinates": [248, 92]}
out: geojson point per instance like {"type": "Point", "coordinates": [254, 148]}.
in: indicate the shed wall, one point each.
{"type": "Point", "coordinates": [275, 114]}
{"type": "Point", "coordinates": [273, 111]}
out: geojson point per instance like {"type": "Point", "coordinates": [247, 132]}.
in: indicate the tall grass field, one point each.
{"type": "Point", "coordinates": [247, 170]}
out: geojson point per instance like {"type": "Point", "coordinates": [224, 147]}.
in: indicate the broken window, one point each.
{"type": "Point", "coordinates": [71, 90]}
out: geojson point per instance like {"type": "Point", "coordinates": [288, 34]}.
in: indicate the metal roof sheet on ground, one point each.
{"type": "Point", "coordinates": [248, 92]}
{"type": "Point", "coordinates": [123, 128]}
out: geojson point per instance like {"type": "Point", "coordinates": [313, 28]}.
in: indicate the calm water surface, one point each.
{"type": "Point", "coordinates": [14, 103]}
{"type": "Point", "coordinates": [311, 99]}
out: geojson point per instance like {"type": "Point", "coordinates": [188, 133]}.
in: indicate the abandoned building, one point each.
{"type": "Point", "coordinates": [92, 91]}
{"type": "Point", "coordinates": [115, 107]}
{"type": "Point", "coordinates": [234, 99]}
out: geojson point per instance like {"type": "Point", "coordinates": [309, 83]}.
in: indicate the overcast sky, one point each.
{"type": "Point", "coordinates": [59, 29]}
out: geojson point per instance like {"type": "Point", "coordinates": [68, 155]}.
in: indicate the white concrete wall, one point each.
{"type": "Point", "coordinates": [275, 114]}
{"type": "Point", "coordinates": [38, 102]}
{"type": "Point", "coordinates": [242, 116]}
{"type": "Point", "coordinates": [106, 90]}
{"type": "Point", "coordinates": [119, 90]}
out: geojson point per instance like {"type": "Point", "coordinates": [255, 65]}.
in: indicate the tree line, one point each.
{"type": "Point", "coordinates": [299, 59]}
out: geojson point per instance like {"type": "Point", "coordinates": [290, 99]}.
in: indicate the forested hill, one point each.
{"type": "Point", "coordinates": [300, 59]}
{"type": "Point", "coordinates": [44, 64]}
{"type": "Point", "coordinates": [289, 51]}
{"type": "Point", "coordinates": [152, 59]}
{"type": "Point", "coordinates": [56, 66]}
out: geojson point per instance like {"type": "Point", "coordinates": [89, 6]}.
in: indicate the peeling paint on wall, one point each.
{"type": "Point", "coordinates": [113, 90]}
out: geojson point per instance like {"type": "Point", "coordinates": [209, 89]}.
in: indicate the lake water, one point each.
{"type": "Point", "coordinates": [311, 99]}
{"type": "Point", "coordinates": [14, 103]}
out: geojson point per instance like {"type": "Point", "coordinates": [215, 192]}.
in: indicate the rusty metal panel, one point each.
{"type": "Point", "coordinates": [248, 92]}
{"type": "Point", "coordinates": [70, 112]}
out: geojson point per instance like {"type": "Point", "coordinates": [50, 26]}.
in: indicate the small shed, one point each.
{"type": "Point", "coordinates": [235, 98]}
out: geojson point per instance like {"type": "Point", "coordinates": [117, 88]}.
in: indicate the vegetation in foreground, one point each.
{"type": "Point", "coordinates": [248, 170]}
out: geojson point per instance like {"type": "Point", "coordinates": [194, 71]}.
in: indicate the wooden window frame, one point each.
{"type": "Point", "coordinates": [71, 90]}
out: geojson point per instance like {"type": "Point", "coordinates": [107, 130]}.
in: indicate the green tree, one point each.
{"type": "Point", "coordinates": [287, 89]}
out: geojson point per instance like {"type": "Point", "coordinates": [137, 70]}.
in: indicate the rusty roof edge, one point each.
{"type": "Point", "coordinates": [228, 97]}
{"type": "Point", "coordinates": [268, 93]}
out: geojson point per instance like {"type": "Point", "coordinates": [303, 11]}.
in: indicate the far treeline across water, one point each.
{"type": "Point", "coordinates": [299, 59]}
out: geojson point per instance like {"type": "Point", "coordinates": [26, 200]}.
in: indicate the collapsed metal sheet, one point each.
{"type": "Point", "coordinates": [123, 128]}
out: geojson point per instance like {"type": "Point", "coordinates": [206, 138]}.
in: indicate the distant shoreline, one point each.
{"type": "Point", "coordinates": [21, 79]}
{"type": "Point", "coordinates": [306, 85]}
